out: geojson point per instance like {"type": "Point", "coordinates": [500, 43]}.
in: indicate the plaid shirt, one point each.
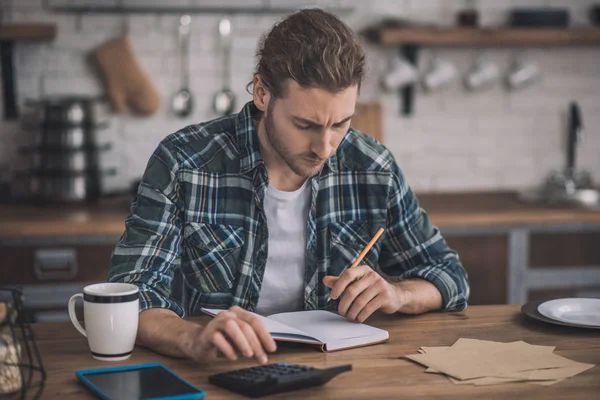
{"type": "Point", "coordinates": [197, 236]}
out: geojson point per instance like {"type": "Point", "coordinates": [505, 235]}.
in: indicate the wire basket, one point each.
{"type": "Point", "coordinates": [22, 373]}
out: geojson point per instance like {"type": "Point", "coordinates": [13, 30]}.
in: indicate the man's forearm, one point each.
{"type": "Point", "coordinates": [163, 331]}
{"type": "Point", "coordinates": [418, 296]}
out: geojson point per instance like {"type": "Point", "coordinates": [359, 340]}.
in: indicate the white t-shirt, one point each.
{"type": "Point", "coordinates": [282, 287]}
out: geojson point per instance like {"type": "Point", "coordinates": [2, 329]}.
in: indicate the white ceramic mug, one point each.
{"type": "Point", "coordinates": [401, 74]}
{"type": "Point", "coordinates": [483, 74]}
{"type": "Point", "coordinates": [440, 74]}
{"type": "Point", "coordinates": [111, 313]}
{"type": "Point", "coordinates": [522, 74]}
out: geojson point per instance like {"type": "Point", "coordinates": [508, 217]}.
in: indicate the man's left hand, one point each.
{"type": "Point", "coordinates": [364, 292]}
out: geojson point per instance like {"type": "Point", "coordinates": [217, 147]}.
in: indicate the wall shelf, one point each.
{"type": "Point", "coordinates": [18, 32]}
{"type": "Point", "coordinates": [91, 9]}
{"type": "Point", "coordinates": [9, 34]}
{"type": "Point", "coordinates": [411, 39]}
{"type": "Point", "coordinates": [489, 37]}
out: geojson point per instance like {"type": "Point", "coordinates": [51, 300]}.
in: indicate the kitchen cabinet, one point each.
{"type": "Point", "coordinates": [49, 273]}
{"type": "Point", "coordinates": [513, 252]}
{"type": "Point", "coordinates": [566, 253]}
{"type": "Point", "coordinates": [564, 250]}
{"type": "Point", "coordinates": [38, 265]}
{"type": "Point", "coordinates": [561, 258]}
{"type": "Point", "coordinates": [485, 257]}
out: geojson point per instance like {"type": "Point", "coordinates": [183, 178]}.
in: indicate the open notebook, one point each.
{"type": "Point", "coordinates": [323, 328]}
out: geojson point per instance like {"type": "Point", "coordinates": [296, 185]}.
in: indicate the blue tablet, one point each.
{"type": "Point", "coordinates": [152, 381]}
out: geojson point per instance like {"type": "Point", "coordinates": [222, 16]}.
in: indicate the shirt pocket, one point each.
{"type": "Point", "coordinates": [347, 241]}
{"type": "Point", "coordinates": [212, 253]}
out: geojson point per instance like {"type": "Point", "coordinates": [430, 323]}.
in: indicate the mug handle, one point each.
{"type": "Point", "coordinates": [72, 314]}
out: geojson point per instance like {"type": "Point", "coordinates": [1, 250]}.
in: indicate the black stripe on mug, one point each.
{"type": "Point", "coordinates": [110, 355]}
{"type": "Point", "coordinates": [110, 299]}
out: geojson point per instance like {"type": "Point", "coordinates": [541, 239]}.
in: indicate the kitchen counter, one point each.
{"type": "Point", "coordinates": [457, 210]}
{"type": "Point", "coordinates": [107, 218]}
{"type": "Point", "coordinates": [482, 209]}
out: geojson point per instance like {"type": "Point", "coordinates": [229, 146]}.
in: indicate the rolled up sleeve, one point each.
{"type": "Point", "coordinates": [148, 251]}
{"type": "Point", "coordinates": [414, 248]}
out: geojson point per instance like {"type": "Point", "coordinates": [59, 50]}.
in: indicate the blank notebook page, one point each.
{"type": "Point", "coordinates": [278, 328]}
{"type": "Point", "coordinates": [324, 325]}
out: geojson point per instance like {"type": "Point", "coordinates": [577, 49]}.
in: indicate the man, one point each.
{"type": "Point", "coordinates": [265, 210]}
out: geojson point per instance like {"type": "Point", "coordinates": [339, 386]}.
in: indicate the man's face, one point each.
{"type": "Point", "coordinates": [306, 126]}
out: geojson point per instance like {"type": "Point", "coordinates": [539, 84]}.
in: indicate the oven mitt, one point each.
{"type": "Point", "coordinates": [126, 82]}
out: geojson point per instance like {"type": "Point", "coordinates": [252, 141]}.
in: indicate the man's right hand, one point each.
{"type": "Point", "coordinates": [233, 332]}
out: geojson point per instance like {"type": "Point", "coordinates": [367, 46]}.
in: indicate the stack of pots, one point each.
{"type": "Point", "coordinates": [64, 154]}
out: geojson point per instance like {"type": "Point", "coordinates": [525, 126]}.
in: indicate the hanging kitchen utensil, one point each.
{"type": "Point", "coordinates": [183, 101]}
{"type": "Point", "coordinates": [224, 101]}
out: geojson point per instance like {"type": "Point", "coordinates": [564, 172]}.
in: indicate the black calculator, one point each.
{"type": "Point", "coordinates": [275, 378]}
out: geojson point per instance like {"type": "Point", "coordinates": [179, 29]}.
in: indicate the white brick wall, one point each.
{"type": "Point", "coordinates": [455, 141]}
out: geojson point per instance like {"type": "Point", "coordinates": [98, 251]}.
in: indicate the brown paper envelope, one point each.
{"type": "Point", "coordinates": [550, 374]}
{"type": "Point", "coordinates": [469, 344]}
{"type": "Point", "coordinates": [484, 381]}
{"type": "Point", "coordinates": [560, 373]}
{"type": "Point", "coordinates": [496, 381]}
{"type": "Point", "coordinates": [533, 347]}
{"type": "Point", "coordinates": [500, 380]}
{"type": "Point", "coordinates": [488, 381]}
{"type": "Point", "coordinates": [485, 343]}
{"type": "Point", "coordinates": [497, 360]}
{"type": "Point", "coordinates": [419, 358]}
{"type": "Point", "coordinates": [545, 383]}
{"type": "Point", "coordinates": [433, 349]}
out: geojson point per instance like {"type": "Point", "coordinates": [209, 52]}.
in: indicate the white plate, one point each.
{"type": "Point", "coordinates": [580, 311]}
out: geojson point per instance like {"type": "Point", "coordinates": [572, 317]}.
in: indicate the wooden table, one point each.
{"type": "Point", "coordinates": [379, 372]}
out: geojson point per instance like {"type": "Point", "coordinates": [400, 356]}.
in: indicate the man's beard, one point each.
{"type": "Point", "coordinates": [291, 160]}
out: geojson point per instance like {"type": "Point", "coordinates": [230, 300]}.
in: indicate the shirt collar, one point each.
{"type": "Point", "coordinates": [247, 138]}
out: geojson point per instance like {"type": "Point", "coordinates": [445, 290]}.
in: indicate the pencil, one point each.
{"type": "Point", "coordinates": [365, 251]}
